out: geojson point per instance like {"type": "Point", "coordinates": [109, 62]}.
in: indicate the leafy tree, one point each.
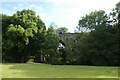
{"type": "Point", "coordinates": [62, 30]}
{"type": "Point", "coordinates": [92, 20]}
{"type": "Point", "coordinates": [1, 36]}
{"type": "Point", "coordinates": [115, 22]}
{"type": "Point", "coordinates": [22, 28]}
{"type": "Point", "coordinates": [101, 43]}
{"type": "Point", "coordinates": [76, 51]}
{"type": "Point", "coordinates": [104, 45]}
{"type": "Point", "coordinates": [51, 42]}
{"type": "Point", "coordinates": [117, 27]}
{"type": "Point", "coordinates": [6, 44]}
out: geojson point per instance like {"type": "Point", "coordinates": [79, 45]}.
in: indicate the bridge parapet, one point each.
{"type": "Point", "coordinates": [67, 37]}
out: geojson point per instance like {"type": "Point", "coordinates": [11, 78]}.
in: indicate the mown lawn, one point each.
{"type": "Point", "coordinates": [57, 71]}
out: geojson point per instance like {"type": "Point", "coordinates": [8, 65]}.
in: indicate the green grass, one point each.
{"type": "Point", "coordinates": [57, 71]}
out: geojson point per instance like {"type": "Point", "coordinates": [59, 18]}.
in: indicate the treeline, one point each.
{"type": "Point", "coordinates": [99, 44]}
{"type": "Point", "coordinates": [25, 38]}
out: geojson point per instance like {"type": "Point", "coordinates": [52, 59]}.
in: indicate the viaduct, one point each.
{"type": "Point", "coordinates": [67, 37]}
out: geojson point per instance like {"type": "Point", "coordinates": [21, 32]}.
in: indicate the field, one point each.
{"type": "Point", "coordinates": [57, 71]}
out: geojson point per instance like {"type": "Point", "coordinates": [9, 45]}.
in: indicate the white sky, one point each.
{"type": "Point", "coordinates": [71, 10]}
{"type": "Point", "coordinates": [65, 12]}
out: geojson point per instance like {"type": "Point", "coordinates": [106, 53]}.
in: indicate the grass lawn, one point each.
{"type": "Point", "coordinates": [57, 71]}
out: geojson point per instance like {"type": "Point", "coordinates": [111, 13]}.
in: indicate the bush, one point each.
{"type": "Point", "coordinates": [30, 61]}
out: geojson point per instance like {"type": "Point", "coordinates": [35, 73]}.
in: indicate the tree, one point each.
{"type": "Point", "coordinates": [93, 20]}
{"type": "Point", "coordinates": [62, 30]}
{"type": "Point", "coordinates": [6, 44]}
{"type": "Point", "coordinates": [22, 28]}
{"type": "Point", "coordinates": [115, 22]}
{"type": "Point", "coordinates": [1, 36]}
{"type": "Point", "coordinates": [117, 27]}
{"type": "Point", "coordinates": [104, 45]}
{"type": "Point", "coordinates": [76, 51]}
{"type": "Point", "coordinates": [101, 48]}
{"type": "Point", "coordinates": [51, 42]}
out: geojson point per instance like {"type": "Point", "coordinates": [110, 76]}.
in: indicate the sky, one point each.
{"type": "Point", "coordinates": [61, 13]}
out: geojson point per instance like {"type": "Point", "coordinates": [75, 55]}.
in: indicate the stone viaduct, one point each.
{"type": "Point", "coordinates": [67, 37]}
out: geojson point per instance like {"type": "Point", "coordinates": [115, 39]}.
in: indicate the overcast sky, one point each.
{"type": "Point", "coordinates": [64, 13]}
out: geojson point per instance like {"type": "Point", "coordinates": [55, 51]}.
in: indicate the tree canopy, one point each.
{"type": "Point", "coordinates": [62, 30]}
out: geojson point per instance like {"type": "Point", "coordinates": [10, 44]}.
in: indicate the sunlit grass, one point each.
{"type": "Point", "coordinates": [0, 71]}
{"type": "Point", "coordinates": [57, 71]}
